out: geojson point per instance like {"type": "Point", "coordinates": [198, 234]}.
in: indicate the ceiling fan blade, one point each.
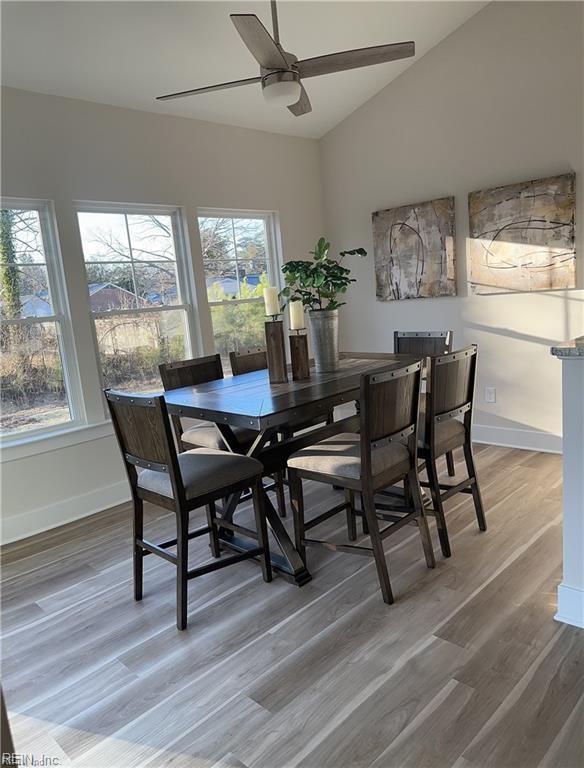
{"type": "Point", "coordinates": [302, 106]}
{"type": "Point", "coordinates": [206, 89]}
{"type": "Point", "coordinates": [360, 57]}
{"type": "Point", "coordinates": [261, 44]}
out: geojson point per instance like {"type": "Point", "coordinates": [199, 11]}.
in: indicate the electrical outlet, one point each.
{"type": "Point", "coordinates": [490, 395]}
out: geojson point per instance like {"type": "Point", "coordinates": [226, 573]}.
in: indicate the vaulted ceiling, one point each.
{"type": "Point", "coordinates": [126, 53]}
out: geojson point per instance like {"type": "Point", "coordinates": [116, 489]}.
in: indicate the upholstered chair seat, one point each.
{"type": "Point", "coordinates": [448, 434]}
{"type": "Point", "coordinates": [340, 456]}
{"type": "Point", "coordinates": [203, 471]}
{"type": "Point", "coordinates": [205, 434]}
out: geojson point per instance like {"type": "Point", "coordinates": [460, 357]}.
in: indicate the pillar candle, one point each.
{"type": "Point", "coordinates": [271, 301]}
{"type": "Point", "coordinates": [296, 315]}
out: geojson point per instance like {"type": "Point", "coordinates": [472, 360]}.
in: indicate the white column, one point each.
{"type": "Point", "coordinates": [571, 590]}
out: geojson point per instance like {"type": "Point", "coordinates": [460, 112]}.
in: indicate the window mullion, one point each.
{"type": "Point", "coordinates": [131, 260]}
{"type": "Point", "coordinates": [31, 320]}
{"type": "Point", "coordinates": [231, 302]}
{"type": "Point", "coordinates": [236, 260]}
{"type": "Point", "coordinates": [142, 311]}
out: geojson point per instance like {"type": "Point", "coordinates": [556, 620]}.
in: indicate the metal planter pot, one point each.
{"type": "Point", "coordinates": [324, 336]}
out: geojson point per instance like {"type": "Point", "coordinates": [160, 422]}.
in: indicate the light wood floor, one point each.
{"type": "Point", "coordinates": [466, 669]}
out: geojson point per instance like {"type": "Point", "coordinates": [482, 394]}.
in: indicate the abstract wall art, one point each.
{"type": "Point", "coordinates": [522, 236]}
{"type": "Point", "coordinates": [414, 251]}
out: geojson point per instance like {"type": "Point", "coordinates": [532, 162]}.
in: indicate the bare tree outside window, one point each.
{"type": "Point", "coordinates": [236, 259]}
{"type": "Point", "coordinates": [32, 381]}
{"type": "Point", "coordinates": [134, 295]}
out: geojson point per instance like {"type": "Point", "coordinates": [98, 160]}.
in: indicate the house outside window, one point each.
{"type": "Point", "coordinates": [137, 282]}
{"type": "Point", "coordinates": [239, 259]}
{"type": "Point", "coordinates": [38, 382]}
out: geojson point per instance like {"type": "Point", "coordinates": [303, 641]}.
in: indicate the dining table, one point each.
{"type": "Point", "coordinates": [250, 400]}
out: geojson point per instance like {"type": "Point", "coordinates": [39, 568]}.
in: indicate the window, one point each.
{"type": "Point", "coordinates": [137, 284]}
{"type": "Point", "coordinates": [239, 258]}
{"type": "Point", "coordinates": [34, 323]}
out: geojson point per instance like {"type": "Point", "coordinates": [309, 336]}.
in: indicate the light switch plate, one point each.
{"type": "Point", "coordinates": [490, 395]}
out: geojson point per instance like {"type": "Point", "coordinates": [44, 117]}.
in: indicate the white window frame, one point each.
{"type": "Point", "coordinates": [184, 270]}
{"type": "Point", "coordinates": [274, 260]}
{"type": "Point", "coordinates": [61, 317]}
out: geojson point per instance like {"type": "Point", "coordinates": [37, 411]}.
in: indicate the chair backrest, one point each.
{"type": "Point", "coordinates": [451, 383]}
{"type": "Point", "coordinates": [248, 361]}
{"type": "Point", "coordinates": [189, 373]}
{"type": "Point", "coordinates": [144, 435]}
{"type": "Point", "coordinates": [423, 343]}
{"type": "Point", "coordinates": [389, 405]}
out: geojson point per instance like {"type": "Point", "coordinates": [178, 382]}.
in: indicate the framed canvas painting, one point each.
{"type": "Point", "coordinates": [414, 251]}
{"type": "Point", "coordinates": [522, 236]}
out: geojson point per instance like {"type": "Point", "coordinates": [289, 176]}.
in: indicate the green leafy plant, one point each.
{"type": "Point", "coordinates": [319, 282]}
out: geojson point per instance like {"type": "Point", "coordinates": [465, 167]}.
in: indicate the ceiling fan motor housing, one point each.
{"type": "Point", "coordinates": [282, 87]}
{"type": "Point", "coordinates": [280, 76]}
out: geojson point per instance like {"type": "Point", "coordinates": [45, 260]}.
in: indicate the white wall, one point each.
{"type": "Point", "coordinates": [499, 101]}
{"type": "Point", "coordinates": [65, 150]}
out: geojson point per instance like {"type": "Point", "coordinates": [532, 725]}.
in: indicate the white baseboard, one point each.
{"type": "Point", "coordinates": [16, 527]}
{"type": "Point", "coordinates": [527, 439]}
{"type": "Point", "coordinates": [570, 606]}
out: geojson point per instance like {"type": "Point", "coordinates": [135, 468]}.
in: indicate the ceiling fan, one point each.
{"type": "Point", "coordinates": [281, 73]}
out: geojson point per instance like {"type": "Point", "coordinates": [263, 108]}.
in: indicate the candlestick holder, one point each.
{"type": "Point", "coordinates": [275, 350]}
{"type": "Point", "coordinates": [299, 355]}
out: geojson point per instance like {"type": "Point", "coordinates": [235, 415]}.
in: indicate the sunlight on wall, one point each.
{"type": "Point", "coordinates": [514, 333]}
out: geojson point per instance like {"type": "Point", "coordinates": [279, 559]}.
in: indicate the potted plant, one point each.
{"type": "Point", "coordinates": [318, 284]}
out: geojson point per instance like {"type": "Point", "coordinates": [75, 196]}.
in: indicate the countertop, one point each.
{"type": "Point", "coordinates": [574, 348]}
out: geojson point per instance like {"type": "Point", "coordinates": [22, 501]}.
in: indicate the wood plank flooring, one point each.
{"type": "Point", "coordinates": [466, 669]}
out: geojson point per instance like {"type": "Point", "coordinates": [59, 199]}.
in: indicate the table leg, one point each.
{"type": "Point", "coordinates": [288, 563]}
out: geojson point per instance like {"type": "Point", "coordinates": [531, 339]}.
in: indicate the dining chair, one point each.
{"type": "Point", "coordinates": [181, 483]}
{"type": "Point", "coordinates": [450, 396]}
{"type": "Point", "coordinates": [193, 433]}
{"type": "Point", "coordinates": [383, 453]}
{"type": "Point", "coordinates": [426, 344]}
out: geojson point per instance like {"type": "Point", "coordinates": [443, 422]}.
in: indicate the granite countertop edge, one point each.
{"type": "Point", "coordinates": [574, 348]}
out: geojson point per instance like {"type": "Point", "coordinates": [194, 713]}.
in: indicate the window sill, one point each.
{"type": "Point", "coordinates": [22, 447]}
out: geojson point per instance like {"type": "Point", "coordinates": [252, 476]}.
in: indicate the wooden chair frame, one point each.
{"type": "Point", "coordinates": [424, 338]}
{"type": "Point", "coordinates": [378, 427]}
{"type": "Point", "coordinates": [151, 428]}
{"type": "Point", "coordinates": [449, 397]}
{"type": "Point", "coordinates": [427, 343]}
{"type": "Point", "coordinates": [247, 361]}
{"type": "Point", "coordinates": [189, 373]}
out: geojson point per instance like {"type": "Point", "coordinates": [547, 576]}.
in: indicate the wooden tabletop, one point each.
{"type": "Point", "coordinates": [251, 401]}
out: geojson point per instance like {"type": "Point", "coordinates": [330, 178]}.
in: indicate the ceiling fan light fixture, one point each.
{"type": "Point", "coordinates": [281, 89]}
{"type": "Point", "coordinates": [281, 72]}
